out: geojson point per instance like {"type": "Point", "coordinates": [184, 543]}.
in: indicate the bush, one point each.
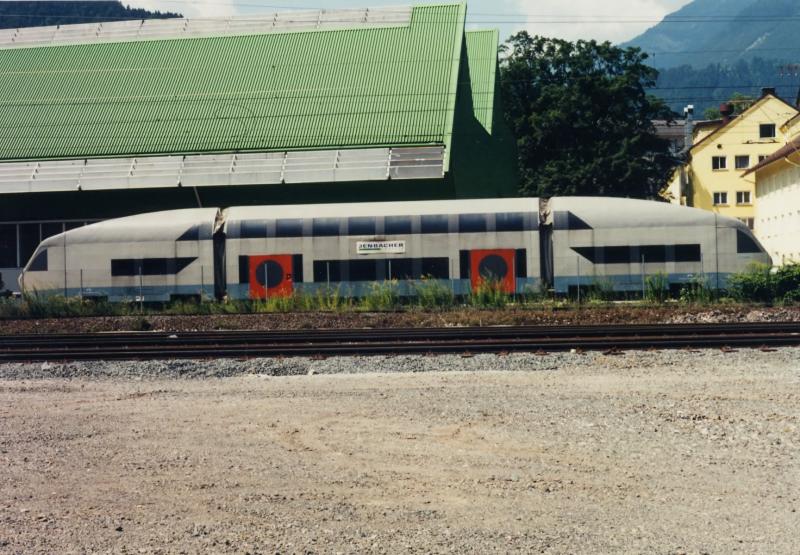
{"type": "Point", "coordinates": [600, 291]}
{"type": "Point", "coordinates": [656, 287]}
{"type": "Point", "coordinates": [489, 294]}
{"type": "Point", "coordinates": [432, 294]}
{"type": "Point", "coordinates": [761, 284]}
{"type": "Point", "coordinates": [697, 291]}
{"type": "Point", "coordinates": [382, 296]}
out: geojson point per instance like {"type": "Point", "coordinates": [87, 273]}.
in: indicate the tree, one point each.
{"type": "Point", "coordinates": [583, 119]}
{"type": "Point", "coordinates": [739, 101]}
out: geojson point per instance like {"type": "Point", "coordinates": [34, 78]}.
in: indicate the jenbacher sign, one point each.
{"type": "Point", "coordinates": [381, 247]}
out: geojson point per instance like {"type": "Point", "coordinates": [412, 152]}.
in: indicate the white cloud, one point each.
{"type": "Point", "coordinates": [613, 20]}
{"type": "Point", "coordinates": [190, 8]}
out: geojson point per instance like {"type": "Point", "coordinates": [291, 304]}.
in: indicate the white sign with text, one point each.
{"type": "Point", "coordinates": [381, 247]}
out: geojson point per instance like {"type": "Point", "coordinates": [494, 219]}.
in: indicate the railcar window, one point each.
{"type": "Point", "coordinates": [253, 229]}
{"type": "Point", "coordinates": [124, 267]}
{"type": "Point", "coordinates": [39, 263]}
{"type": "Point", "coordinates": [325, 227]}
{"type": "Point", "coordinates": [327, 270]}
{"type": "Point", "coordinates": [367, 270]}
{"type": "Point", "coordinates": [289, 228]}
{"type": "Point", "coordinates": [745, 244]}
{"type": "Point", "coordinates": [154, 266]}
{"type": "Point", "coordinates": [521, 263]}
{"type": "Point", "coordinates": [436, 268]}
{"type": "Point", "coordinates": [617, 255]}
{"type": "Point", "coordinates": [653, 253]}
{"type": "Point", "coordinates": [400, 268]}
{"type": "Point", "coordinates": [8, 246]}
{"type": "Point", "coordinates": [397, 225]}
{"type": "Point", "coordinates": [28, 241]}
{"type": "Point", "coordinates": [361, 226]}
{"type": "Point", "coordinates": [434, 224]}
{"type": "Point", "coordinates": [363, 270]}
{"type": "Point", "coordinates": [510, 222]}
{"type": "Point", "coordinates": [73, 225]}
{"type": "Point", "coordinates": [687, 253]}
{"type": "Point", "coordinates": [472, 223]}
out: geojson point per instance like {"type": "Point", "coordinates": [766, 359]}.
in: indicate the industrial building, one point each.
{"type": "Point", "coordinates": [112, 119]}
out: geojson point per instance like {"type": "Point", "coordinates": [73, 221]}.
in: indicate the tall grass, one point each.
{"type": "Point", "coordinates": [656, 287]}
{"type": "Point", "coordinates": [489, 294]}
{"type": "Point", "coordinates": [430, 294]}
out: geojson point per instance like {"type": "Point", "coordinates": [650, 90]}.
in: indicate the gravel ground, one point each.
{"type": "Point", "coordinates": [645, 452]}
{"type": "Point", "coordinates": [601, 314]}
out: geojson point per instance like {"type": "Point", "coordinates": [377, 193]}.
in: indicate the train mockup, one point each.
{"type": "Point", "coordinates": [254, 252]}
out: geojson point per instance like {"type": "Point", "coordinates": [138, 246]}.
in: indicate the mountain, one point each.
{"type": "Point", "coordinates": [37, 14]}
{"type": "Point", "coordinates": [724, 32]}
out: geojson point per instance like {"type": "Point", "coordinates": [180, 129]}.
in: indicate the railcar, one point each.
{"type": "Point", "coordinates": [267, 251]}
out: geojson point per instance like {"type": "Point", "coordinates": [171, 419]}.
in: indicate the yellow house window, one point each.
{"type": "Point", "coordinates": [742, 197]}
{"type": "Point", "coordinates": [720, 198]}
{"type": "Point", "coordinates": [742, 162]}
{"type": "Point", "coordinates": [766, 131]}
{"type": "Point", "coordinates": [719, 162]}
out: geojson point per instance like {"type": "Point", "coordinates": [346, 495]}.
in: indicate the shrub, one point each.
{"type": "Point", "coordinates": [381, 296]}
{"type": "Point", "coordinates": [697, 291]}
{"type": "Point", "coordinates": [756, 283]}
{"type": "Point", "coordinates": [489, 294]}
{"type": "Point", "coordinates": [656, 287]}
{"type": "Point", "coordinates": [762, 284]}
{"type": "Point", "coordinates": [432, 294]}
{"type": "Point", "coordinates": [600, 291]}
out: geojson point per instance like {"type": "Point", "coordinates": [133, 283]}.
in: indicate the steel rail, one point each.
{"type": "Point", "coordinates": [376, 334]}
{"type": "Point", "coordinates": [146, 345]}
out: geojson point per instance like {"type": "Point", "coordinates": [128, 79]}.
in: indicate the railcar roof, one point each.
{"type": "Point", "coordinates": [410, 208]}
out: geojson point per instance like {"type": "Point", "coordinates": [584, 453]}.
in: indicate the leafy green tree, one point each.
{"type": "Point", "coordinates": [583, 119]}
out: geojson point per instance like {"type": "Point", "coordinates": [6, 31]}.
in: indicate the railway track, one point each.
{"type": "Point", "coordinates": [232, 344]}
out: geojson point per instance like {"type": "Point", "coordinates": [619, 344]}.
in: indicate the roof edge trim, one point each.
{"type": "Point", "coordinates": [188, 28]}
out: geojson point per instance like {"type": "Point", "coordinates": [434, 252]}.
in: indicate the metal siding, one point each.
{"type": "Point", "coordinates": [278, 91]}
{"type": "Point", "coordinates": [482, 57]}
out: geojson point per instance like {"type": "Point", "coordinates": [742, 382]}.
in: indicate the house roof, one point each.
{"type": "Point", "coordinates": [350, 86]}
{"type": "Point", "coordinates": [786, 150]}
{"type": "Point", "coordinates": [733, 120]}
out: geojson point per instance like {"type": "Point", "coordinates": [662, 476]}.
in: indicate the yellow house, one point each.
{"type": "Point", "coordinates": [724, 150]}
{"type": "Point", "coordinates": [777, 214]}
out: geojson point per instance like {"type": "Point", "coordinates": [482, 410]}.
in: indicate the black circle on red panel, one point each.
{"type": "Point", "coordinates": [272, 271]}
{"type": "Point", "coordinates": [493, 267]}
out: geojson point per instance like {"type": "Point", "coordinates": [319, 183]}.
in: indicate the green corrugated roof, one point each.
{"type": "Point", "coordinates": [482, 56]}
{"type": "Point", "coordinates": [303, 90]}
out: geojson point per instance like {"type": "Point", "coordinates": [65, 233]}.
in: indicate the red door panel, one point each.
{"type": "Point", "coordinates": [493, 264]}
{"type": "Point", "coordinates": [271, 276]}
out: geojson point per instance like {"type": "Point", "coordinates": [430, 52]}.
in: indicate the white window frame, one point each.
{"type": "Point", "coordinates": [722, 161]}
{"type": "Point", "coordinates": [761, 131]}
{"type": "Point", "coordinates": [723, 198]}
{"type": "Point", "coordinates": [744, 201]}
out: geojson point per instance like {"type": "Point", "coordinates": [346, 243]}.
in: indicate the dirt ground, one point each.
{"type": "Point", "coordinates": [601, 314]}
{"type": "Point", "coordinates": [611, 457]}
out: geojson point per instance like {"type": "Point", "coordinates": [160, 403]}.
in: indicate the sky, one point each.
{"type": "Point", "coordinates": [613, 20]}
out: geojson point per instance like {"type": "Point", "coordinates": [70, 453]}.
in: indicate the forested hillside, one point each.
{"type": "Point", "coordinates": [710, 49]}
{"type": "Point", "coordinates": [724, 32]}
{"type": "Point", "coordinates": [36, 14]}
{"type": "Point", "coordinates": [708, 87]}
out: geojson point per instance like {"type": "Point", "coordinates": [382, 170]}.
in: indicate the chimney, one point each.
{"type": "Point", "coordinates": [768, 90]}
{"type": "Point", "coordinates": [726, 110]}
